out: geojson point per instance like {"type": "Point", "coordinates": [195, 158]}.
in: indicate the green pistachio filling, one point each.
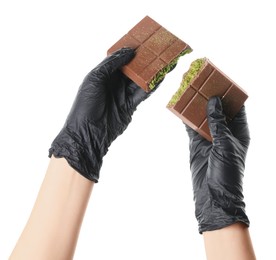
{"type": "Point", "coordinates": [161, 74]}
{"type": "Point", "coordinates": [194, 69]}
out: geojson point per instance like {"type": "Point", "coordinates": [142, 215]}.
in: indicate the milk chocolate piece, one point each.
{"type": "Point", "coordinates": [190, 106]}
{"type": "Point", "coordinates": [157, 51]}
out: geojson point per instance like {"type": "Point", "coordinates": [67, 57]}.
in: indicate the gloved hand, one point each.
{"type": "Point", "coordinates": [102, 110]}
{"type": "Point", "coordinates": [217, 169]}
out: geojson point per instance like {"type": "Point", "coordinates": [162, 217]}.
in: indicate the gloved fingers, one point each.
{"type": "Point", "coordinates": [196, 138]}
{"type": "Point", "coordinates": [239, 127]}
{"type": "Point", "coordinates": [216, 118]}
{"type": "Point", "coordinates": [137, 94]}
{"type": "Point", "coordinates": [199, 151]}
{"type": "Point", "coordinates": [112, 63]}
{"type": "Point", "coordinates": [191, 132]}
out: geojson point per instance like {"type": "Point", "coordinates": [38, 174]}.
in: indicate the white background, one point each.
{"type": "Point", "coordinates": [142, 207]}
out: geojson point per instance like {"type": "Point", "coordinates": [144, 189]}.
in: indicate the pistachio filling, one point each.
{"type": "Point", "coordinates": [161, 74]}
{"type": "Point", "coordinates": [194, 69]}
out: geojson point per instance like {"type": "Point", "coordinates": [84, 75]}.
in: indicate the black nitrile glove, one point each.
{"type": "Point", "coordinates": [102, 110]}
{"type": "Point", "coordinates": [217, 169]}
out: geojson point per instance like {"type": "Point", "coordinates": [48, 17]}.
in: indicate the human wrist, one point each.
{"type": "Point", "coordinates": [231, 242]}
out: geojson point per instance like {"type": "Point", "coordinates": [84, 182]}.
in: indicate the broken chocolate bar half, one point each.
{"type": "Point", "coordinates": [157, 52]}
{"type": "Point", "coordinates": [202, 81]}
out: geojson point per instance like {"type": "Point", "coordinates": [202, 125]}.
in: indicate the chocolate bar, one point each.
{"type": "Point", "coordinates": [157, 52]}
{"type": "Point", "coordinates": [202, 81]}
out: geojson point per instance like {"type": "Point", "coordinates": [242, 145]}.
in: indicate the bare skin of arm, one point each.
{"type": "Point", "coordinates": [55, 221]}
{"type": "Point", "coordinates": [101, 111]}
{"type": "Point", "coordinates": [229, 243]}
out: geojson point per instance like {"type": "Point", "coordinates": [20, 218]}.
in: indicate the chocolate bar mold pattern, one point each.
{"type": "Point", "coordinates": [156, 48]}
{"type": "Point", "coordinates": [191, 107]}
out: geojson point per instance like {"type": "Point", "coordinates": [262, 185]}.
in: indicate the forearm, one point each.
{"type": "Point", "coordinates": [54, 224]}
{"type": "Point", "coordinates": [232, 242]}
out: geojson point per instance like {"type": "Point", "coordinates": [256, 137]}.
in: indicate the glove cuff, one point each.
{"type": "Point", "coordinates": [213, 216]}
{"type": "Point", "coordinates": [85, 161]}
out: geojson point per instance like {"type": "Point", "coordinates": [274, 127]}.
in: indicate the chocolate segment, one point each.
{"type": "Point", "coordinates": [157, 50]}
{"type": "Point", "coordinates": [190, 106]}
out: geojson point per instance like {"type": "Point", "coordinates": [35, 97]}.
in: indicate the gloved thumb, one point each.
{"type": "Point", "coordinates": [216, 118]}
{"type": "Point", "coordinates": [114, 62]}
